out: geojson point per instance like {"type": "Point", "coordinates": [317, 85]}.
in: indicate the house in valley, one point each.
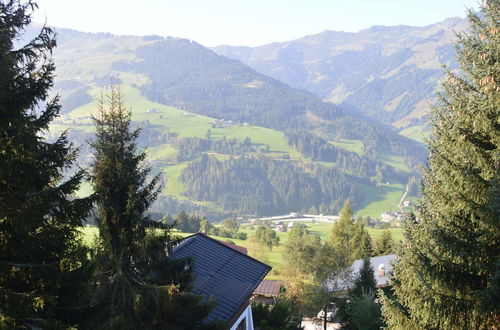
{"type": "Point", "coordinates": [268, 291]}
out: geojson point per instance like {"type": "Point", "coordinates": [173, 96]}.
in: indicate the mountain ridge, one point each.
{"type": "Point", "coordinates": [381, 64]}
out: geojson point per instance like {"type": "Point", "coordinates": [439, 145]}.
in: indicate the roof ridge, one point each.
{"type": "Point", "coordinates": [230, 248]}
{"type": "Point", "coordinates": [184, 241]}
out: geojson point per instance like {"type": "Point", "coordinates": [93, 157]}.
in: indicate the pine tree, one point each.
{"type": "Point", "coordinates": [385, 244]}
{"type": "Point", "coordinates": [349, 236]}
{"type": "Point", "coordinates": [342, 231]}
{"type": "Point", "coordinates": [363, 311]}
{"type": "Point", "coordinates": [365, 280]}
{"type": "Point", "coordinates": [361, 242]}
{"type": "Point", "coordinates": [42, 263]}
{"type": "Point", "coordinates": [448, 273]}
{"type": "Point", "coordinates": [136, 285]}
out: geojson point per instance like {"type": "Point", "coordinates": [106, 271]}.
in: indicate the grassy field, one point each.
{"type": "Point", "coordinates": [174, 186]}
{"type": "Point", "coordinates": [259, 135]}
{"type": "Point", "coordinates": [274, 256]}
{"type": "Point", "coordinates": [350, 145]}
{"type": "Point", "coordinates": [393, 160]}
{"type": "Point", "coordinates": [416, 133]}
{"type": "Point", "coordinates": [162, 152]}
{"type": "Point", "coordinates": [323, 230]}
{"type": "Point", "coordinates": [374, 202]}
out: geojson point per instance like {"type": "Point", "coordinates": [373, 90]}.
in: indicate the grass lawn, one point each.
{"type": "Point", "coordinates": [393, 160]}
{"type": "Point", "coordinates": [172, 174]}
{"type": "Point", "coordinates": [373, 202]}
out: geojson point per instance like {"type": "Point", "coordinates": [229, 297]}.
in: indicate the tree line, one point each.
{"type": "Point", "coordinates": [316, 148]}
{"type": "Point", "coordinates": [190, 223]}
{"type": "Point", "coordinates": [260, 185]}
{"type": "Point", "coordinates": [191, 147]}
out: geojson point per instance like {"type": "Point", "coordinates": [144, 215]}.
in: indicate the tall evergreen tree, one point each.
{"type": "Point", "coordinates": [42, 263]}
{"type": "Point", "coordinates": [363, 310]}
{"type": "Point", "coordinates": [136, 285]}
{"type": "Point", "coordinates": [365, 280]}
{"type": "Point", "coordinates": [342, 231]}
{"type": "Point", "coordinates": [385, 244]}
{"type": "Point", "coordinates": [363, 313]}
{"type": "Point", "coordinates": [350, 236]}
{"type": "Point", "coordinates": [448, 274]}
{"type": "Point", "coordinates": [361, 242]}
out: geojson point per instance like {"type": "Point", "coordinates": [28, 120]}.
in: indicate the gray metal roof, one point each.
{"type": "Point", "coordinates": [221, 272]}
{"type": "Point", "coordinates": [377, 262]}
{"type": "Point", "coordinates": [268, 288]}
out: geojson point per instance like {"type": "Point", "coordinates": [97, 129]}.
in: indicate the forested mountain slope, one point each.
{"type": "Point", "coordinates": [192, 103]}
{"type": "Point", "coordinates": [387, 73]}
{"type": "Point", "coordinates": [184, 74]}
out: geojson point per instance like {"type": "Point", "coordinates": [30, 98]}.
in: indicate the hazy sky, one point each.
{"type": "Point", "coordinates": [242, 22]}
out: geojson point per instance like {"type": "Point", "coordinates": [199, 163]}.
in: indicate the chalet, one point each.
{"type": "Point", "coordinates": [224, 273]}
{"type": "Point", "coordinates": [382, 265]}
{"type": "Point", "coordinates": [267, 291]}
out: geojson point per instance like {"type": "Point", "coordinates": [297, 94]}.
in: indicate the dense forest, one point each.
{"type": "Point", "coordinates": [317, 148]}
{"type": "Point", "coordinates": [193, 146]}
{"type": "Point", "coordinates": [260, 185]}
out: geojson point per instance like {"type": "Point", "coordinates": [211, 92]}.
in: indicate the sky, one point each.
{"type": "Point", "coordinates": [242, 22]}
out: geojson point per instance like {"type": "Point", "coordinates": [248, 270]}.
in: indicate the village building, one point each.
{"type": "Point", "coordinates": [382, 266]}
{"type": "Point", "coordinates": [268, 291]}
{"type": "Point", "coordinates": [226, 274]}
{"type": "Point", "coordinates": [391, 216]}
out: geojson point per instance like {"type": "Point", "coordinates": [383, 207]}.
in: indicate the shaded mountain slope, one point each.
{"type": "Point", "coordinates": [386, 73]}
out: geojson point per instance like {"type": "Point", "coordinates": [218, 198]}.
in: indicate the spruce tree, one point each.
{"type": "Point", "coordinates": [342, 232]}
{"type": "Point", "coordinates": [43, 266]}
{"type": "Point", "coordinates": [363, 311]}
{"type": "Point", "coordinates": [385, 244]}
{"type": "Point", "coordinates": [361, 242]}
{"type": "Point", "coordinates": [350, 236]}
{"type": "Point", "coordinates": [448, 273]}
{"type": "Point", "coordinates": [365, 280]}
{"type": "Point", "coordinates": [136, 285]}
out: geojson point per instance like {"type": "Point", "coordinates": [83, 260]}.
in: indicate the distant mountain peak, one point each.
{"type": "Point", "coordinates": [387, 73]}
